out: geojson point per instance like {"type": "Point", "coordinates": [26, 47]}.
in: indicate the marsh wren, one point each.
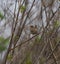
{"type": "Point", "coordinates": [33, 29]}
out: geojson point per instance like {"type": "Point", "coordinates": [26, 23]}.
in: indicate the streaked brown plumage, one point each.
{"type": "Point", "coordinates": [33, 29]}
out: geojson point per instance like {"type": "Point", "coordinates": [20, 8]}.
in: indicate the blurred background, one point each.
{"type": "Point", "coordinates": [32, 30]}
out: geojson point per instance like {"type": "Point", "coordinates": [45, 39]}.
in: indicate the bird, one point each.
{"type": "Point", "coordinates": [33, 29]}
